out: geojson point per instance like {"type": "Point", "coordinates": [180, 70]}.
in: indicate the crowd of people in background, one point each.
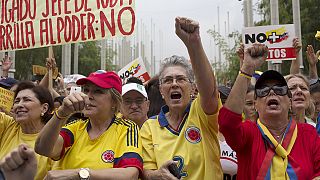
{"type": "Point", "coordinates": [178, 125]}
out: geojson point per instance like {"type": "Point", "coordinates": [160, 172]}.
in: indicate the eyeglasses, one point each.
{"type": "Point", "coordinates": [277, 89]}
{"type": "Point", "coordinates": [138, 101]}
{"type": "Point", "coordinates": [179, 79]}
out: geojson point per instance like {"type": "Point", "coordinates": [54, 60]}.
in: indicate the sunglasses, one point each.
{"type": "Point", "coordinates": [277, 89]}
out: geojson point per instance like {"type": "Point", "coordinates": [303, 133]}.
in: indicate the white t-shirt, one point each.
{"type": "Point", "coordinates": [228, 160]}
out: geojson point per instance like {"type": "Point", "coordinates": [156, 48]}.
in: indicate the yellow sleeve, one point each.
{"type": "Point", "coordinates": [5, 122]}
{"type": "Point", "coordinates": [128, 151]}
{"type": "Point", "coordinates": [149, 160]}
{"type": "Point", "coordinates": [68, 133]}
{"type": "Point", "coordinates": [210, 120]}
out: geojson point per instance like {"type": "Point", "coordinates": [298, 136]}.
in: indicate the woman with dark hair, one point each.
{"type": "Point", "coordinates": [32, 109]}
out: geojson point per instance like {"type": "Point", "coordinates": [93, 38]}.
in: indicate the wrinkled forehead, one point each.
{"type": "Point", "coordinates": [174, 71]}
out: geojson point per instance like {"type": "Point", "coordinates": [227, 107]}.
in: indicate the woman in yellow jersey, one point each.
{"type": "Point", "coordinates": [102, 147]}
{"type": "Point", "coordinates": [31, 110]}
{"type": "Point", "coordinates": [185, 131]}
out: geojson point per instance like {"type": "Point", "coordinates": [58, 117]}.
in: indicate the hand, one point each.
{"type": "Point", "coordinates": [254, 57]}
{"type": "Point", "coordinates": [311, 56]}
{"type": "Point", "coordinates": [51, 63]}
{"type": "Point", "coordinates": [187, 30]}
{"type": "Point", "coordinates": [297, 45]}
{"type": "Point", "coordinates": [240, 52]}
{"type": "Point", "coordinates": [21, 163]}
{"type": "Point", "coordinates": [74, 102]}
{"type": "Point", "coordinates": [6, 63]}
{"type": "Point", "coordinates": [62, 174]}
{"type": "Point", "coordinates": [163, 173]}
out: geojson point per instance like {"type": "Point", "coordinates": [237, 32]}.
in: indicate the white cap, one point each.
{"type": "Point", "coordinates": [136, 87]}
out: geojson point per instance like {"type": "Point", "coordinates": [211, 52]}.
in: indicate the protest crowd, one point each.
{"type": "Point", "coordinates": [180, 124]}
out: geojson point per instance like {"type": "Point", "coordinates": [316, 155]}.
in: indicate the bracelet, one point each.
{"type": "Point", "coordinates": [246, 75]}
{"type": "Point", "coordinates": [58, 116]}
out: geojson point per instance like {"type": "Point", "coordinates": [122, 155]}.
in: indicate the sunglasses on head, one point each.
{"type": "Point", "coordinates": [263, 91]}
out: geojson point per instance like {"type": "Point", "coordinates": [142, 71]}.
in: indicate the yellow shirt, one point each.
{"type": "Point", "coordinates": [12, 136]}
{"type": "Point", "coordinates": [194, 145]}
{"type": "Point", "coordinates": [118, 147]}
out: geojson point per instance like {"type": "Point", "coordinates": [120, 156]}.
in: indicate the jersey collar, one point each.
{"type": "Point", "coordinates": [164, 122]}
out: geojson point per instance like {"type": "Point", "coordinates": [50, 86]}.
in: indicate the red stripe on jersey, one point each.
{"type": "Point", "coordinates": [68, 140]}
{"type": "Point", "coordinates": [125, 161]}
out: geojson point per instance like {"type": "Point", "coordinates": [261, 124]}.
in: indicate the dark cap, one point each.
{"type": "Point", "coordinates": [270, 75]}
{"type": "Point", "coordinates": [8, 82]}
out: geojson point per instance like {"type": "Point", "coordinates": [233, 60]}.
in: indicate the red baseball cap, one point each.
{"type": "Point", "coordinates": [104, 79]}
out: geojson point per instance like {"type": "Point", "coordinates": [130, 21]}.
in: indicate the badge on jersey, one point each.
{"type": "Point", "coordinates": [108, 156]}
{"type": "Point", "coordinates": [193, 134]}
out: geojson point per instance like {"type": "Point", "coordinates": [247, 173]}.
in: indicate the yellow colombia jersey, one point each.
{"type": "Point", "coordinates": [194, 145]}
{"type": "Point", "coordinates": [12, 135]}
{"type": "Point", "coordinates": [118, 147]}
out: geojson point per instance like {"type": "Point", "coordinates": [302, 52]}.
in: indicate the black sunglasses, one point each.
{"type": "Point", "coordinates": [280, 90]}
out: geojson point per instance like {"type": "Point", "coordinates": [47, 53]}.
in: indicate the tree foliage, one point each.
{"type": "Point", "coordinates": [89, 59]}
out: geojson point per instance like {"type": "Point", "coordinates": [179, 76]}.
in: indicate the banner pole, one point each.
{"type": "Point", "coordinates": [50, 69]}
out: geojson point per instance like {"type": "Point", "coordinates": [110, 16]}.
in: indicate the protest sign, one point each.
{"type": "Point", "coordinates": [135, 68]}
{"type": "Point", "coordinates": [278, 38]}
{"type": "Point", "coordinates": [40, 70]}
{"type": "Point", "coordinates": [6, 99]}
{"type": "Point", "coordinates": [26, 24]}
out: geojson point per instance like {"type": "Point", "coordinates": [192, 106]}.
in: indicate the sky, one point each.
{"type": "Point", "coordinates": [163, 13]}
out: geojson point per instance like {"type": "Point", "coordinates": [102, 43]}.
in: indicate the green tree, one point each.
{"type": "Point", "coordinates": [89, 58]}
{"type": "Point", "coordinates": [26, 58]}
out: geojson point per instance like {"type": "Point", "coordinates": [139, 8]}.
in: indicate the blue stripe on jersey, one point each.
{"type": "Point", "coordinates": [164, 122]}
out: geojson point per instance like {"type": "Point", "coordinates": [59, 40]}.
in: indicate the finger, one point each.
{"type": "Point", "coordinates": [81, 101]}
{"type": "Point", "coordinates": [11, 164]}
{"type": "Point", "coordinates": [75, 102]}
{"type": "Point", "coordinates": [17, 158]}
{"type": "Point", "coordinates": [26, 152]}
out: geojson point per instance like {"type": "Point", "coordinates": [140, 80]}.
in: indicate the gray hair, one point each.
{"type": "Point", "coordinates": [177, 61]}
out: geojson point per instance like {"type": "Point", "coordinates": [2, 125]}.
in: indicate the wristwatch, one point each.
{"type": "Point", "coordinates": [84, 173]}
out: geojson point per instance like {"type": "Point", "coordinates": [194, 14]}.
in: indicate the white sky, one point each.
{"type": "Point", "coordinates": [163, 12]}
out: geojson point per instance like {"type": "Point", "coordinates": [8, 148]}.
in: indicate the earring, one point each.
{"type": "Point", "coordinates": [42, 114]}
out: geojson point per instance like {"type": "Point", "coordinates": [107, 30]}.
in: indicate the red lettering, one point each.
{"type": "Point", "coordinates": [44, 30]}
{"type": "Point", "coordinates": [78, 7]}
{"type": "Point", "coordinates": [60, 27]}
{"type": "Point", "coordinates": [83, 27]}
{"type": "Point", "coordinates": [46, 14]}
{"type": "Point", "coordinates": [30, 33]}
{"type": "Point", "coordinates": [113, 3]}
{"type": "Point", "coordinates": [104, 21]}
{"type": "Point", "coordinates": [68, 30]}
{"type": "Point", "coordinates": [2, 35]}
{"type": "Point", "coordinates": [90, 21]}
{"type": "Point", "coordinates": [52, 41]}
{"type": "Point", "coordinates": [76, 28]}
{"type": "Point", "coordinates": [8, 36]}
{"type": "Point", "coordinates": [132, 23]}
{"type": "Point", "coordinates": [66, 7]}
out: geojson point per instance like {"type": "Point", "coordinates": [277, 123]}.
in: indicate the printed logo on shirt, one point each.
{"type": "Point", "coordinates": [108, 156]}
{"type": "Point", "coordinates": [193, 134]}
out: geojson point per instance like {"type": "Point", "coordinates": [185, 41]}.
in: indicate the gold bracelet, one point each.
{"type": "Point", "coordinates": [60, 117]}
{"type": "Point", "coordinates": [245, 75]}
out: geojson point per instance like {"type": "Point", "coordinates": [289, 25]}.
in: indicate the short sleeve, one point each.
{"type": "Point", "coordinates": [149, 160]}
{"type": "Point", "coordinates": [129, 149]}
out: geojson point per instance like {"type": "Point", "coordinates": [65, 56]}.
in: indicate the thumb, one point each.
{"type": "Point", "coordinates": [26, 152]}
